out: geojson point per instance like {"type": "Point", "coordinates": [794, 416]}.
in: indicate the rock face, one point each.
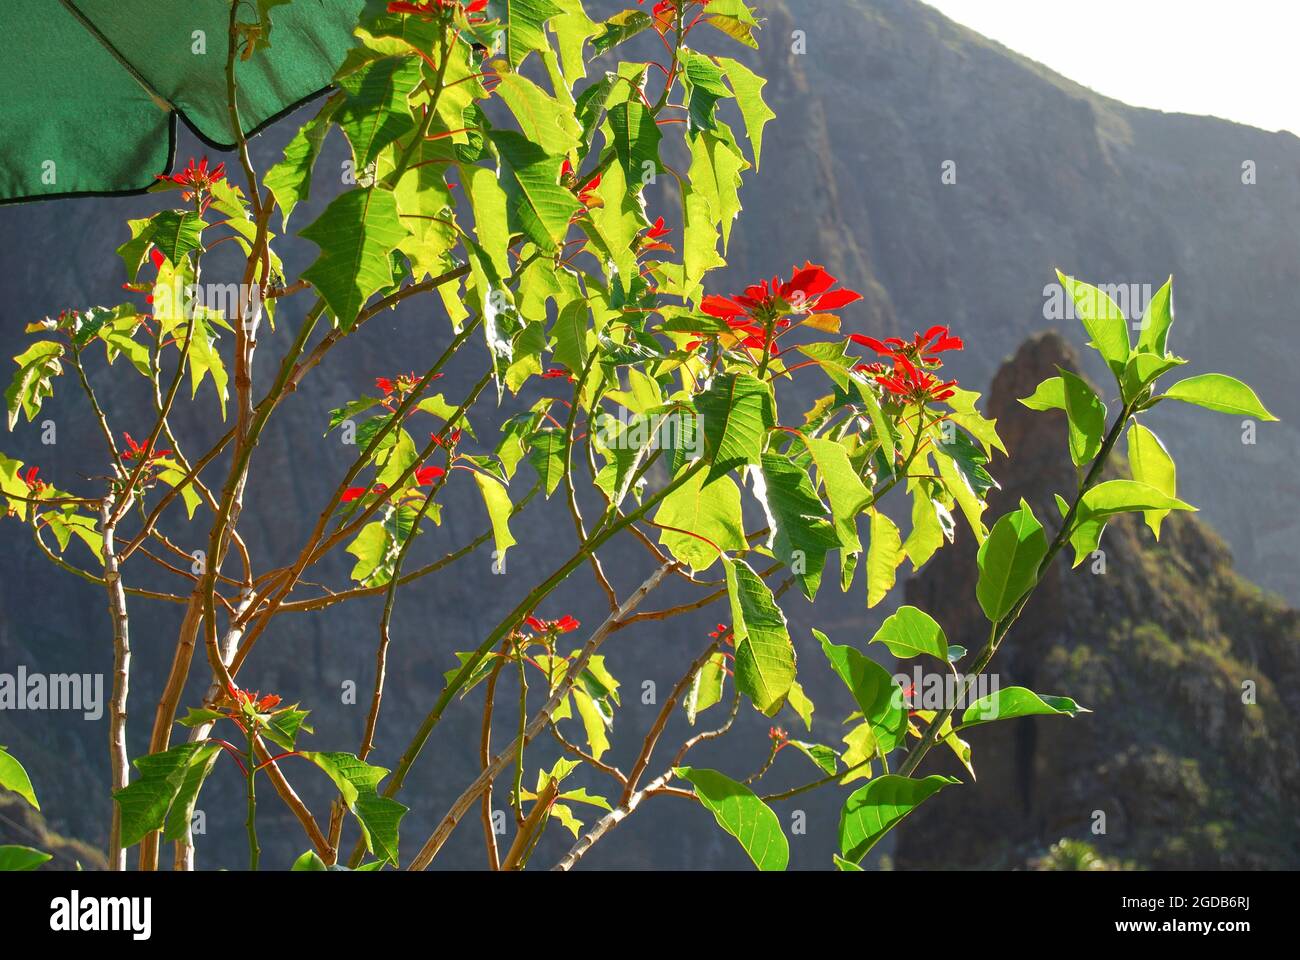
{"type": "Point", "coordinates": [1164, 643]}
{"type": "Point", "coordinates": [885, 94]}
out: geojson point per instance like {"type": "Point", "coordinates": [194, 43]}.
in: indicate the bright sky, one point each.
{"type": "Point", "coordinates": [1235, 59]}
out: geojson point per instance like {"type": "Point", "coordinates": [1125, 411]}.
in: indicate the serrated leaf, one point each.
{"type": "Point", "coordinates": [497, 500]}
{"type": "Point", "coordinates": [357, 783]}
{"type": "Point", "coordinates": [736, 411]}
{"type": "Point", "coordinates": [764, 655]}
{"type": "Point", "coordinates": [144, 803]}
{"type": "Point", "coordinates": [356, 234]}
{"type": "Point", "coordinates": [290, 179]}
{"type": "Point", "coordinates": [537, 204]}
{"type": "Point", "coordinates": [801, 531]}
{"type": "Point", "coordinates": [38, 365]}
{"type": "Point", "coordinates": [748, 87]}
{"type": "Point", "coordinates": [706, 687]}
{"type": "Point", "coordinates": [709, 511]}
{"type": "Point", "coordinates": [884, 554]}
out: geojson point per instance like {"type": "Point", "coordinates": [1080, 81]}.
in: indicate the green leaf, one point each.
{"type": "Point", "coordinates": [1103, 319]}
{"type": "Point", "coordinates": [546, 454]}
{"type": "Point", "coordinates": [710, 511]}
{"type": "Point", "coordinates": [1151, 464]}
{"type": "Point", "coordinates": [538, 205]}
{"type": "Point", "coordinates": [702, 80]}
{"type": "Point", "coordinates": [1144, 369]}
{"type": "Point", "coordinates": [543, 119]}
{"type": "Point", "coordinates": [15, 858]}
{"type": "Point", "coordinates": [1048, 395]}
{"type": "Point", "coordinates": [1217, 391]}
{"type": "Point", "coordinates": [38, 365]}
{"type": "Point", "coordinates": [765, 659]}
{"type": "Point", "coordinates": [1156, 320]}
{"type": "Point", "coordinates": [910, 632]}
{"type": "Point", "coordinates": [798, 702]}
{"type": "Point", "coordinates": [736, 411]}
{"type": "Point", "coordinates": [620, 27]}
{"type": "Point", "coordinates": [636, 139]}
{"type": "Point", "coordinates": [357, 781]}
{"type": "Point", "coordinates": [309, 862]}
{"type": "Point", "coordinates": [176, 232]}
{"type": "Point", "coordinates": [14, 777]}
{"type": "Point", "coordinates": [596, 720]}
{"type": "Point", "coordinates": [706, 687]}
{"type": "Point", "coordinates": [523, 20]}
{"type": "Point", "coordinates": [739, 811]}
{"type": "Point", "coordinates": [748, 87]}
{"type": "Point", "coordinates": [884, 554]}
{"type": "Point", "coordinates": [872, 810]}
{"type": "Point", "coordinates": [845, 866]}
{"type": "Point", "coordinates": [1125, 496]}
{"type": "Point", "coordinates": [356, 234]}
{"type": "Point", "coordinates": [801, 531]}
{"type": "Point", "coordinates": [1010, 702]}
{"type": "Point", "coordinates": [1008, 561]}
{"type": "Point", "coordinates": [144, 803]}
{"type": "Point", "coordinates": [826, 759]}
{"type": "Point", "coordinates": [285, 725]}
{"type": "Point", "coordinates": [180, 815]}
{"type": "Point", "coordinates": [735, 19]}
{"type": "Point", "coordinates": [1087, 418]}
{"type": "Point", "coordinates": [932, 524]}
{"type": "Point", "coordinates": [846, 493]}
{"type": "Point", "coordinates": [497, 500]}
{"type": "Point", "coordinates": [290, 179]}
{"type": "Point", "coordinates": [374, 111]}
{"type": "Point", "coordinates": [878, 697]}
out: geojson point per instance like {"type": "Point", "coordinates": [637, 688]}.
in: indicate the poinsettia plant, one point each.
{"type": "Point", "coordinates": [503, 168]}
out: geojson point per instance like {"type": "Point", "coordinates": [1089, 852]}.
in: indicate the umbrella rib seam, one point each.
{"type": "Point", "coordinates": [161, 101]}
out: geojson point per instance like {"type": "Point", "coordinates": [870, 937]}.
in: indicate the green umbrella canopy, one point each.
{"type": "Point", "coordinates": [90, 89]}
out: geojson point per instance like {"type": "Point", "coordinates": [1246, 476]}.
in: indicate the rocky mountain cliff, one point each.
{"type": "Point", "coordinates": [882, 96]}
{"type": "Point", "coordinates": [1190, 757]}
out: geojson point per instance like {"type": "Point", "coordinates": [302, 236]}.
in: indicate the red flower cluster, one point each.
{"type": "Point", "coordinates": [908, 378]}
{"type": "Point", "coordinates": [34, 485]}
{"type": "Point", "coordinates": [778, 735]}
{"type": "Point", "coordinates": [557, 373]}
{"type": "Point", "coordinates": [199, 179]}
{"type": "Point", "coordinates": [566, 624]}
{"type": "Point", "coordinates": [587, 191]}
{"type": "Point", "coordinates": [400, 384]}
{"type": "Point", "coordinates": [913, 384]}
{"type": "Point", "coordinates": [424, 476]}
{"type": "Point", "coordinates": [134, 450]}
{"type": "Point", "coordinates": [767, 304]}
{"type": "Point", "coordinates": [242, 698]}
{"type": "Point", "coordinates": [924, 347]}
{"type": "Point", "coordinates": [652, 237]}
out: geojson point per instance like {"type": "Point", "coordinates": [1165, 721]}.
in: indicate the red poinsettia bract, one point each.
{"type": "Point", "coordinates": [198, 179]}
{"type": "Point", "coordinates": [768, 305]}
{"type": "Point", "coordinates": [566, 624]}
